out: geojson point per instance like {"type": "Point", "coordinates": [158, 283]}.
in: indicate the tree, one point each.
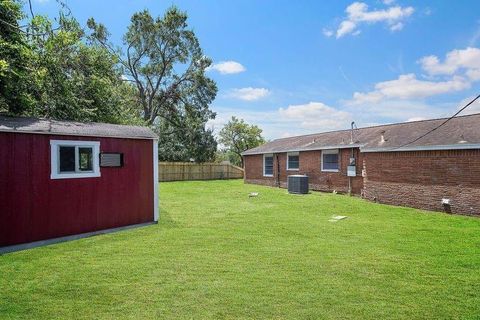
{"type": "Point", "coordinates": [194, 142]}
{"type": "Point", "coordinates": [15, 58]}
{"type": "Point", "coordinates": [164, 61]}
{"type": "Point", "coordinates": [77, 79]}
{"type": "Point", "coordinates": [56, 72]}
{"type": "Point", "coordinates": [237, 136]}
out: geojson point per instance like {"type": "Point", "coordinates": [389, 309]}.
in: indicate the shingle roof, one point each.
{"type": "Point", "coordinates": [459, 133]}
{"type": "Point", "coordinates": [71, 128]}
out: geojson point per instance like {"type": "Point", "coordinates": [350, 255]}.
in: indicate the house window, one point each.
{"type": "Point", "coordinates": [330, 160]}
{"type": "Point", "coordinates": [74, 159]}
{"type": "Point", "coordinates": [293, 161]}
{"type": "Point", "coordinates": [268, 165]}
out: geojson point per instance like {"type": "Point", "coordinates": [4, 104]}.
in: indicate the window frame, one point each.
{"type": "Point", "coordinates": [265, 155]}
{"type": "Point", "coordinates": [330, 151]}
{"type": "Point", "coordinates": [288, 160]}
{"type": "Point", "coordinates": [55, 159]}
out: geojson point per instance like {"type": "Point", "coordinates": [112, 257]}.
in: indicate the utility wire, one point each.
{"type": "Point", "coordinates": [440, 125]}
{"type": "Point", "coordinates": [31, 8]}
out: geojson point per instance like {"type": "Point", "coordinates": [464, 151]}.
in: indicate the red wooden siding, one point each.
{"type": "Point", "coordinates": [34, 207]}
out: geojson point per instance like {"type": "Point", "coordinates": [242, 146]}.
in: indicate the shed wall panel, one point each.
{"type": "Point", "coordinates": [34, 207]}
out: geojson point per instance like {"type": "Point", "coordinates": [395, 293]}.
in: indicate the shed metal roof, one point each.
{"type": "Point", "coordinates": [462, 132]}
{"type": "Point", "coordinates": [72, 128]}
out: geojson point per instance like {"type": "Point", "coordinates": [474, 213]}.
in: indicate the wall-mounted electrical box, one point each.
{"type": "Point", "coordinates": [351, 171]}
{"type": "Point", "coordinates": [111, 159]}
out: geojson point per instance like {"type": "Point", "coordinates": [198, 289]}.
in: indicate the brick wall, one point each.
{"type": "Point", "coordinates": [414, 179]}
{"type": "Point", "coordinates": [422, 179]}
{"type": "Point", "coordinates": [310, 164]}
{"type": "Point", "coordinates": [253, 166]}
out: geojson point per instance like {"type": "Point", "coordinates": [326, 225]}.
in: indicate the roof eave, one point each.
{"type": "Point", "coordinates": [465, 146]}
{"type": "Point", "coordinates": [246, 153]}
{"type": "Point", "coordinates": [78, 135]}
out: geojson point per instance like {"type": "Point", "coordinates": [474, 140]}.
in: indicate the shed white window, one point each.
{"type": "Point", "coordinates": [330, 160]}
{"type": "Point", "coordinates": [293, 161]}
{"type": "Point", "coordinates": [74, 159]}
{"type": "Point", "coordinates": [268, 165]}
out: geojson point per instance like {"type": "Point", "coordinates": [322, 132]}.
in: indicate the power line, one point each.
{"type": "Point", "coordinates": [31, 8]}
{"type": "Point", "coordinates": [440, 125]}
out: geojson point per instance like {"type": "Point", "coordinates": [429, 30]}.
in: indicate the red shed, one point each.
{"type": "Point", "coordinates": [62, 180]}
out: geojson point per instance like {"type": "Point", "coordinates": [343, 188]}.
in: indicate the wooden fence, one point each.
{"type": "Point", "coordinates": [178, 171]}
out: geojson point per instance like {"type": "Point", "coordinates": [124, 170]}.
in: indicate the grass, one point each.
{"type": "Point", "coordinates": [218, 254]}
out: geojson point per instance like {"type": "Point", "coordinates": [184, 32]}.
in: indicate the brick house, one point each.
{"type": "Point", "coordinates": [440, 172]}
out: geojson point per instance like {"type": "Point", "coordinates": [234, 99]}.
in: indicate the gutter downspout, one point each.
{"type": "Point", "coordinates": [350, 178]}
{"type": "Point", "coordinates": [352, 156]}
{"type": "Point", "coordinates": [277, 178]}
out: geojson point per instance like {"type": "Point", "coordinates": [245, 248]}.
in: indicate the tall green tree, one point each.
{"type": "Point", "coordinates": [195, 143]}
{"type": "Point", "coordinates": [165, 62]}
{"type": "Point", "coordinates": [189, 141]}
{"type": "Point", "coordinates": [15, 59]}
{"type": "Point", "coordinates": [76, 79]}
{"type": "Point", "coordinates": [238, 136]}
{"type": "Point", "coordinates": [57, 72]}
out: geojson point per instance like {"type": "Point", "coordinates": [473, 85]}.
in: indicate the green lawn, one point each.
{"type": "Point", "coordinates": [217, 253]}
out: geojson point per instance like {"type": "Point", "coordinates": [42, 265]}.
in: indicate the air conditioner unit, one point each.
{"type": "Point", "coordinates": [297, 184]}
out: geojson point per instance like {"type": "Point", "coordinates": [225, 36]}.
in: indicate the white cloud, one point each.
{"type": "Point", "coordinates": [403, 98]}
{"type": "Point", "coordinates": [316, 116]}
{"type": "Point", "coordinates": [473, 108]}
{"type": "Point", "coordinates": [475, 37]}
{"type": "Point", "coordinates": [269, 121]}
{"type": "Point", "coordinates": [327, 33]}
{"type": "Point", "coordinates": [396, 27]}
{"type": "Point", "coordinates": [407, 86]}
{"type": "Point", "coordinates": [345, 27]}
{"type": "Point", "coordinates": [249, 94]}
{"type": "Point", "coordinates": [467, 60]}
{"type": "Point", "coordinates": [473, 74]}
{"type": "Point", "coordinates": [292, 120]}
{"type": "Point", "coordinates": [228, 67]}
{"type": "Point", "coordinates": [388, 2]}
{"type": "Point", "coordinates": [397, 110]}
{"type": "Point", "coordinates": [457, 72]}
{"type": "Point", "coordinates": [358, 13]}
{"type": "Point", "coordinates": [427, 11]}
{"type": "Point", "coordinates": [416, 119]}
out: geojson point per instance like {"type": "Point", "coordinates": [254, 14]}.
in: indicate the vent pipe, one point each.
{"type": "Point", "coordinates": [351, 131]}
{"type": "Point", "coordinates": [382, 137]}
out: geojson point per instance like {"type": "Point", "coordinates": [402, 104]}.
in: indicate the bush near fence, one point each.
{"type": "Point", "coordinates": [182, 171]}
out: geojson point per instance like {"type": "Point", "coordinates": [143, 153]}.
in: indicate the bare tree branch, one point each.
{"type": "Point", "coordinates": [31, 9]}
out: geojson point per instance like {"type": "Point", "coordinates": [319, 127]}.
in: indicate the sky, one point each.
{"type": "Point", "coordinates": [300, 67]}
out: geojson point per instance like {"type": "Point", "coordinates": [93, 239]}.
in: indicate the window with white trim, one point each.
{"type": "Point", "coordinates": [268, 165]}
{"type": "Point", "coordinates": [74, 159]}
{"type": "Point", "coordinates": [293, 161]}
{"type": "Point", "coordinates": [330, 161]}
